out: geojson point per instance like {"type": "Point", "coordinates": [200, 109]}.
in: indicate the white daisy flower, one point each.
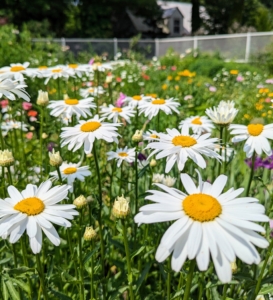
{"type": "Point", "coordinates": [101, 67]}
{"type": "Point", "coordinates": [256, 136]}
{"type": "Point", "coordinates": [10, 125]}
{"type": "Point", "coordinates": [70, 172]}
{"type": "Point", "coordinates": [86, 132]}
{"type": "Point", "coordinates": [152, 108]}
{"type": "Point", "coordinates": [69, 107]}
{"type": "Point", "coordinates": [150, 135]}
{"type": "Point", "coordinates": [10, 88]}
{"type": "Point", "coordinates": [33, 210]}
{"type": "Point", "coordinates": [137, 100]}
{"type": "Point", "coordinates": [224, 113]}
{"type": "Point", "coordinates": [59, 71]}
{"type": "Point", "coordinates": [227, 153]}
{"type": "Point", "coordinates": [17, 71]}
{"type": "Point", "coordinates": [80, 70]}
{"type": "Point", "coordinates": [122, 154]}
{"type": "Point", "coordinates": [179, 146]}
{"type": "Point", "coordinates": [113, 112]}
{"type": "Point", "coordinates": [208, 222]}
{"type": "Point", "coordinates": [198, 124]}
{"type": "Point", "coordinates": [157, 178]}
{"type": "Point", "coordinates": [92, 91]}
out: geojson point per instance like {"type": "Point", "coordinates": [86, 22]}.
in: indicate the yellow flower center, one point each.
{"type": "Point", "coordinates": [90, 126]}
{"type": "Point", "coordinates": [17, 68]}
{"type": "Point", "coordinates": [137, 98]}
{"type": "Point", "coordinates": [152, 95]}
{"type": "Point", "coordinates": [58, 70]}
{"type": "Point", "coordinates": [117, 109]}
{"type": "Point", "coordinates": [202, 207]}
{"type": "Point", "coordinates": [73, 66]}
{"type": "Point", "coordinates": [158, 101]}
{"type": "Point", "coordinates": [42, 68]}
{"type": "Point", "coordinates": [71, 101]}
{"type": "Point", "coordinates": [154, 136]}
{"type": "Point", "coordinates": [91, 90]}
{"type": "Point", "coordinates": [70, 170]}
{"type": "Point", "coordinates": [122, 154]}
{"type": "Point", "coordinates": [31, 206]}
{"type": "Point", "coordinates": [184, 141]}
{"type": "Point", "coordinates": [196, 121]}
{"type": "Point", "coordinates": [255, 129]}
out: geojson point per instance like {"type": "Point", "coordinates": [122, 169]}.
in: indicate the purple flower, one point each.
{"type": "Point", "coordinates": [261, 163]}
{"type": "Point", "coordinates": [50, 146]}
{"type": "Point", "coordinates": [141, 156]}
{"type": "Point", "coordinates": [120, 100]}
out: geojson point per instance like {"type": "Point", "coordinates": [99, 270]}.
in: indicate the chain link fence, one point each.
{"type": "Point", "coordinates": [237, 47]}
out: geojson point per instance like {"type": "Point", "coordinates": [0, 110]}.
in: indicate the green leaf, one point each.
{"type": "Point", "coordinates": [215, 295]}
{"type": "Point", "coordinates": [143, 275]}
{"type": "Point", "coordinates": [266, 289]}
{"type": "Point", "coordinates": [21, 270]}
{"type": "Point", "coordinates": [60, 295]}
{"type": "Point", "coordinates": [23, 285]}
{"type": "Point", "coordinates": [137, 252]}
{"type": "Point", "coordinates": [143, 171]}
{"type": "Point", "coordinates": [12, 291]}
{"type": "Point", "coordinates": [5, 260]}
{"type": "Point", "coordinates": [90, 254]}
{"type": "Point", "coordinates": [5, 292]}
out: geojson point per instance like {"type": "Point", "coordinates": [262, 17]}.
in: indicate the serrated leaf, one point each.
{"type": "Point", "coordinates": [12, 291]}
{"type": "Point", "coordinates": [266, 289]}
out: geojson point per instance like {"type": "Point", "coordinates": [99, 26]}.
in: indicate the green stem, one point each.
{"type": "Point", "coordinates": [169, 280]}
{"type": "Point", "coordinates": [225, 144]}
{"type": "Point", "coordinates": [136, 181]}
{"type": "Point", "coordinates": [41, 139]}
{"type": "Point", "coordinates": [99, 216]}
{"type": "Point", "coordinates": [225, 292]}
{"type": "Point", "coordinates": [189, 280]}
{"type": "Point", "coordinates": [59, 88]}
{"type": "Point", "coordinates": [158, 121]}
{"type": "Point", "coordinates": [81, 260]}
{"type": "Point", "coordinates": [1, 134]}
{"type": "Point", "coordinates": [14, 255]}
{"type": "Point", "coordinates": [24, 251]}
{"type": "Point", "coordinates": [92, 271]}
{"type": "Point", "coordinates": [221, 138]}
{"type": "Point", "coordinates": [59, 174]}
{"type": "Point", "coordinates": [201, 283]}
{"type": "Point", "coordinates": [9, 176]}
{"type": "Point", "coordinates": [41, 275]}
{"type": "Point", "coordinates": [259, 282]}
{"type": "Point", "coordinates": [128, 259]}
{"type": "Point", "coordinates": [251, 175]}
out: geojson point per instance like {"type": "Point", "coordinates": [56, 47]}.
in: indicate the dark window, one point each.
{"type": "Point", "coordinates": [176, 26]}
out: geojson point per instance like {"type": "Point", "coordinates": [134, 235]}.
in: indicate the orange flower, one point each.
{"type": "Point", "coordinates": [164, 87]}
{"type": "Point", "coordinates": [186, 73]}
{"type": "Point", "coordinates": [32, 113]}
{"type": "Point", "coordinates": [233, 72]}
{"type": "Point", "coordinates": [263, 90]}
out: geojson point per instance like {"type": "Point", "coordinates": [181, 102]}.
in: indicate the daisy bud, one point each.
{"type": "Point", "coordinates": [137, 137]}
{"type": "Point", "coordinates": [6, 158]}
{"type": "Point", "coordinates": [157, 178]}
{"type": "Point", "coordinates": [89, 234]}
{"type": "Point", "coordinates": [80, 202]}
{"type": "Point", "coordinates": [44, 135]}
{"type": "Point", "coordinates": [42, 98]}
{"type": "Point", "coordinates": [121, 207]}
{"type": "Point", "coordinates": [223, 114]}
{"type": "Point", "coordinates": [169, 181]}
{"type": "Point", "coordinates": [260, 297]}
{"type": "Point", "coordinates": [89, 155]}
{"type": "Point", "coordinates": [55, 159]}
{"type": "Point", "coordinates": [109, 78]}
{"type": "Point", "coordinates": [153, 163]}
{"type": "Point", "coordinates": [234, 267]}
{"type": "Point", "coordinates": [89, 199]}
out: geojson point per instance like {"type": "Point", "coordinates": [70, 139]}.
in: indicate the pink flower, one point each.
{"type": "Point", "coordinates": [270, 80]}
{"type": "Point", "coordinates": [188, 97]}
{"type": "Point", "coordinates": [173, 68]}
{"type": "Point", "coordinates": [4, 103]}
{"type": "Point", "coordinates": [240, 78]}
{"type": "Point", "coordinates": [29, 135]}
{"type": "Point", "coordinates": [267, 100]}
{"type": "Point", "coordinates": [26, 105]}
{"type": "Point", "coordinates": [212, 89]}
{"type": "Point", "coordinates": [120, 100]}
{"type": "Point", "coordinates": [91, 61]}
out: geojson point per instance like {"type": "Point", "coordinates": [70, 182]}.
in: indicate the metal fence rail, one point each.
{"type": "Point", "coordinates": [238, 47]}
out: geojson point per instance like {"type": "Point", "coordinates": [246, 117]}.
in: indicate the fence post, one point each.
{"type": "Point", "coordinates": [195, 43]}
{"type": "Point", "coordinates": [156, 47]}
{"type": "Point", "coordinates": [115, 40]}
{"type": "Point", "coordinates": [248, 43]}
{"type": "Point", "coordinates": [63, 43]}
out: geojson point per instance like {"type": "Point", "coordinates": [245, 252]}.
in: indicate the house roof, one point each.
{"type": "Point", "coordinates": [138, 22]}
{"type": "Point", "coordinates": [167, 13]}
{"type": "Point", "coordinates": [184, 8]}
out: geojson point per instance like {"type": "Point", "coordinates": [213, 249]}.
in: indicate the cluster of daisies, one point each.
{"type": "Point", "coordinates": [207, 223]}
